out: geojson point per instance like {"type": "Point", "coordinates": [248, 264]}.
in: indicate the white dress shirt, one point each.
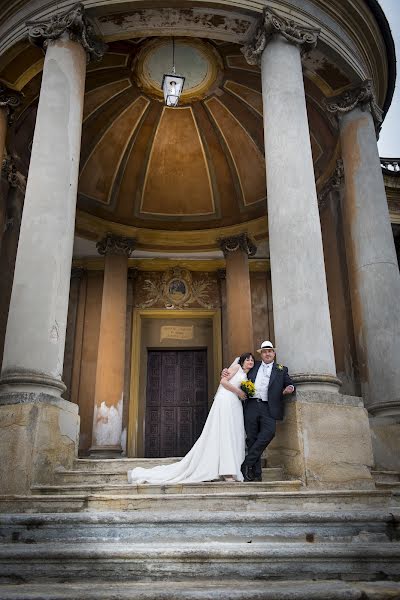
{"type": "Point", "coordinates": [262, 381]}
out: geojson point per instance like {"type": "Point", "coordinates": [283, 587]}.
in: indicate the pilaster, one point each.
{"type": "Point", "coordinates": [109, 387]}
{"type": "Point", "coordinates": [239, 319]}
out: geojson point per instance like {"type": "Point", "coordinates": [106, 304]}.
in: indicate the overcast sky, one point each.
{"type": "Point", "coordinates": [389, 139]}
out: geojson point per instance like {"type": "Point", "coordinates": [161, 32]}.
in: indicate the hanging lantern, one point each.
{"type": "Point", "coordinates": [172, 84]}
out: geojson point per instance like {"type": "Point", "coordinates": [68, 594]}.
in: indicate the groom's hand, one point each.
{"type": "Point", "coordinates": [225, 373]}
{"type": "Point", "coordinates": [289, 389]}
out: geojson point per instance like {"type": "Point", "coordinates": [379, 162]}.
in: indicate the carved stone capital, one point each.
{"type": "Point", "coordinates": [73, 22]}
{"type": "Point", "coordinates": [11, 173]}
{"type": "Point", "coordinates": [272, 23]}
{"type": "Point", "coordinates": [359, 96]}
{"type": "Point", "coordinates": [115, 244]}
{"type": "Point", "coordinates": [10, 100]}
{"type": "Point", "coordinates": [333, 183]}
{"type": "Point", "coordinates": [237, 242]}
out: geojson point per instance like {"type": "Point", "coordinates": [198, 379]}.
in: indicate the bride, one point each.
{"type": "Point", "coordinates": [220, 450]}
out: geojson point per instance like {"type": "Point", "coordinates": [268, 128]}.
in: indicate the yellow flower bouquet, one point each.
{"type": "Point", "coordinates": [248, 387]}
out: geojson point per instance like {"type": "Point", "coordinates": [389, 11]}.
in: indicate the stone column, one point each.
{"type": "Point", "coordinates": [325, 437]}
{"type": "Point", "coordinates": [109, 388]}
{"type": "Point", "coordinates": [34, 344]}
{"type": "Point", "coordinates": [297, 264]}
{"type": "Point", "coordinates": [239, 321]}
{"type": "Point", "coordinates": [373, 268]}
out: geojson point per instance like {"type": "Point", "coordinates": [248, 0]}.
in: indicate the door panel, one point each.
{"type": "Point", "coordinates": [176, 401]}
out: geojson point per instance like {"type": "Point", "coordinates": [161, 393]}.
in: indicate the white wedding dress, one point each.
{"type": "Point", "coordinates": [220, 449]}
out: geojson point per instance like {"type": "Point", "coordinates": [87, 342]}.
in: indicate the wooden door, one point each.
{"type": "Point", "coordinates": [176, 401]}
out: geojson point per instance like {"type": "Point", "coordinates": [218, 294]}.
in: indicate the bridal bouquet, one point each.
{"type": "Point", "coordinates": [248, 387]}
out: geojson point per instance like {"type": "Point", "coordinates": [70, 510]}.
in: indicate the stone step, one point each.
{"type": "Point", "coordinates": [124, 464]}
{"type": "Point", "coordinates": [120, 464]}
{"type": "Point", "coordinates": [250, 501]}
{"type": "Point", "coordinates": [178, 488]}
{"type": "Point", "coordinates": [111, 476]}
{"type": "Point", "coordinates": [140, 526]}
{"type": "Point", "coordinates": [109, 561]}
{"type": "Point", "coordinates": [231, 589]}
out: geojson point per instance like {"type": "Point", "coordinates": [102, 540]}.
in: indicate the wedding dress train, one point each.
{"type": "Point", "coordinates": [220, 449]}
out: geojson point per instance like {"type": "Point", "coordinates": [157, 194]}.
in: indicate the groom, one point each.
{"type": "Point", "coordinates": [272, 383]}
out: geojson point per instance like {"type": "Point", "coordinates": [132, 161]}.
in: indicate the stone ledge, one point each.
{"type": "Point", "coordinates": [9, 398]}
{"type": "Point", "coordinates": [320, 397]}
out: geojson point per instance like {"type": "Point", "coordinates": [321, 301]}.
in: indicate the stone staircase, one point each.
{"type": "Point", "coordinates": [90, 535]}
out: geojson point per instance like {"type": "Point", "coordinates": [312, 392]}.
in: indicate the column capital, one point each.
{"type": "Point", "coordinates": [334, 183]}
{"type": "Point", "coordinates": [272, 23]}
{"type": "Point", "coordinates": [237, 242]}
{"type": "Point", "coordinates": [73, 22]}
{"type": "Point", "coordinates": [359, 96]}
{"type": "Point", "coordinates": [10, 100]}
{"type": "Point", "coordinates": [115, 244]}
{"type": "Point", "coordinates": [11, 173]}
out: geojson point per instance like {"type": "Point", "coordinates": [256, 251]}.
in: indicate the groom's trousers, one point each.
{"type": "Point", "coordinates": [260, 430]}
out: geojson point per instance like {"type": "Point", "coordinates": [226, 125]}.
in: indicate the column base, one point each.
{"type": "Point", "coordinates": [98, 452]}
{"type": "Point", "coordinates": [325, 441]}
{"type": "Point", "coordinates": [385, 430]}
{"type": "Point", "coordinates": [38, 434]}
{"type": "Point", "coordinates": [30, 381]}
{"type": "Point", "coordinates": [316, 382]}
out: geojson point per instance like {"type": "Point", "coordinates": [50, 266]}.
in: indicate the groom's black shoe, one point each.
{"type": "Point", "coordinates": [248, 472]}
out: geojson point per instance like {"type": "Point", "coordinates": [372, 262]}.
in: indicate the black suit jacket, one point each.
{"type": "Point", "coordinates": [277, 382]}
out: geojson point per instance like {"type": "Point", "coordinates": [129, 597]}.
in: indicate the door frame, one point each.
{"type": "Point", "coordinates": [134, 400]}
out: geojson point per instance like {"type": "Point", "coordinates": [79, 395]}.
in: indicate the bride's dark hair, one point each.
{"type": "Point", "coordinates": [243, 357]}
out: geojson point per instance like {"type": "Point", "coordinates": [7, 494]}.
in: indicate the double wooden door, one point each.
{"type": "Point", "coordinates": [176, 401]}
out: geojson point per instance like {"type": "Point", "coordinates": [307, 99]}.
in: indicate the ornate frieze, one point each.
{"type": "Point", "coordinates": [10, 100]}
{"type": "Point", "coordinates": [176, 289]}
{"type": "Point", "coordinates": [333, 183]}
{"type": "Point", "coordinates": [361, 96]}
{"type": "Point", "coordinates": [73, 22]}
{"type": "Point", "coordinates": [115, 244]}
{"type": "Point", "coordinates": [272, 23]}
{"type": "Point", "coordinates": [237, 242]}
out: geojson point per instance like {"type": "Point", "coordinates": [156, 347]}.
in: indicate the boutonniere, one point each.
{"type": "Point", "coordinates": [280, 367]}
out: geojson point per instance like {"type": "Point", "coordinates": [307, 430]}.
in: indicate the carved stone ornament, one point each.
{"type": "Point", "coordinates": [11, 173]}
{"type": "Point", "coordinates": [272, 23]}
{"type": "Point", "coordinates": [115, 244]}
{"type": "Point", "coordinates": [237, 242]}
{"type": "Point", "coordinates": [177, 288]}
{"type": "Point", "coordinates": [73, 22]}
{"type": "Point", "coordinates": [333, 183]}
{"type": "Point", "coordinates": [10, 100]}
{"type": "Point", "coordinates": [361, 96]}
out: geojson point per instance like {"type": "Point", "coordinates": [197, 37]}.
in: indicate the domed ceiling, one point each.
{"type": "Point", "coordinates": [198, 166]}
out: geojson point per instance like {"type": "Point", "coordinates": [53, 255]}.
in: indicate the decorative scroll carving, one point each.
{"type": "Point", "coordinates": [361, 96]}
{"type": "Point", "coordinates": [272, 23]}
{"type": "Point", "coordinates": [390, 166]}
{"type": "Point", "coordinates": [176, 288]}
{"type": "Point", "coordinates": [237, 242]}
{"type": "Point", "coordinates": [333, 183]}
{"type": "Point", "coordinates": [75, 23]}
{"type": "Point", "coordinates": [115, 244]}
{"type": "Point", "coordinates": [10, 100]}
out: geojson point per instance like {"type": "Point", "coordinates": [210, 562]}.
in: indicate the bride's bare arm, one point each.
{"type": "Point", "coordinates": [225, 383]}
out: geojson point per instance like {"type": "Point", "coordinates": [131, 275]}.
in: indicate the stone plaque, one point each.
{"type": "Point", "coordinates": [176, 332]}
